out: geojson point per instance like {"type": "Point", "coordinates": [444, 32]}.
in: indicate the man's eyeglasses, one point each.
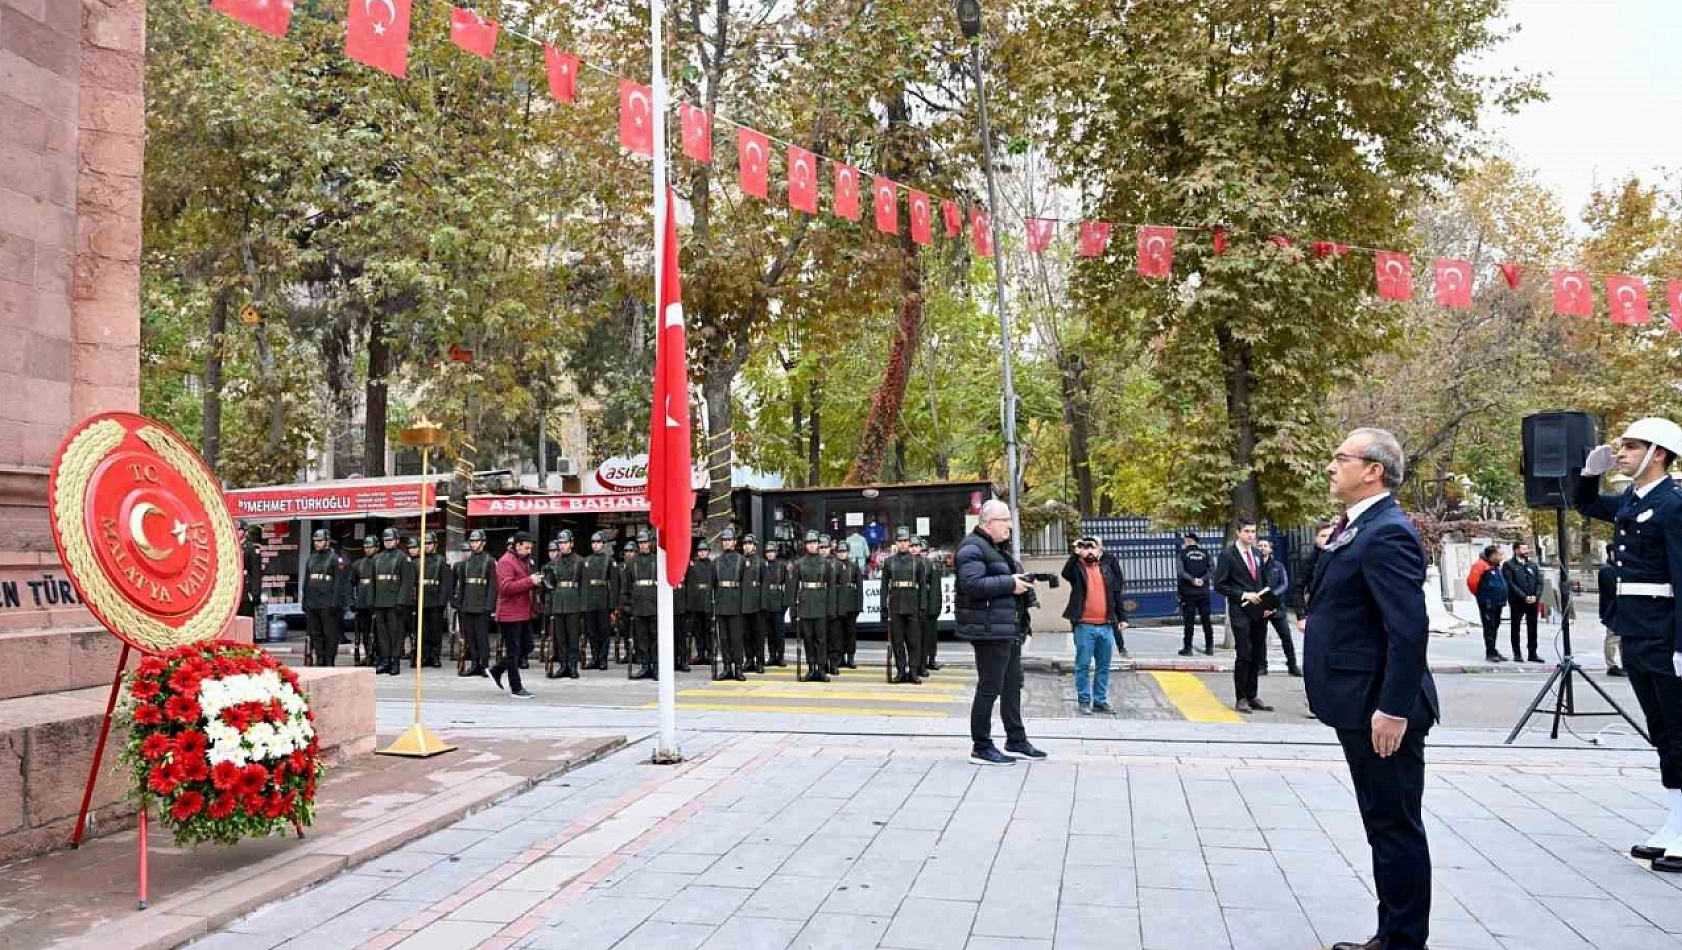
{"type": "Point", "coordinates": [1341, 457]}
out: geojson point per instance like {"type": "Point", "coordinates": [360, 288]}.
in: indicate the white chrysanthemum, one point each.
{"type": "Point", "coordinates": [226, 752]}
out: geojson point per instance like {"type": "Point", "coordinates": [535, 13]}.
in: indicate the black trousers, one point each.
{"type": "Point", "coordinates": [776, 632]}
{"type": "Point", "coordinates": [753, 633]}
{"type": "Point", "coordinates": [595, 633]}
{"type": "Point", "coordinates": [1520, 610]}
{"type": "Point", "coordinates": [1286, 642]}
{"type": "Point", "coordinates": [701, 635]}
{"type": "Point", "coordinates": [998, 677]}
{"type": "Point", "coordinates": [1194, 608]}
{"type": "Point", "coordinates": [732, 638]}
{"type": "Point", "coordinates": [514, 633]}
{"type": "Point", "coordinates": [365, 634]}
{"type": "Point", "coordinates": [642, 640]}
{"type": "Point", "coordinates": [931, 642]}
{"type": "Point", "coordinates": [321, 625]}
{"type": "Point", "coordinates": [528, 640]}
{"type": "Point", "coordinates": [835, 637]}
{"type": "Point", "coordinates": [814, 637]}
{"type": "Point", "coordinates": [388, 633]}
{"type": "Point", "coordinates": [905, 639]}
{"type": "Point", "coordinates": [1249, 644]}
{"type": "Point", "coordinates": [1491, 618]}
{"type": "Point", "coordinates": [1389, 793]}
{"type": "Point", "coordinates": [476, 635]}
{"type": "Point", "coordinates": [1653, 678]}
{"type": "Point", "coordinates": [566, 632]}
{"type": "Point", "coordinates": [432, 635]}
{"type": "Point", "coordinates": [849, 633]}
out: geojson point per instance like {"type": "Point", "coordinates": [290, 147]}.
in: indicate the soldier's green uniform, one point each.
{"type": "Point", "coordinates": [933, 596]}
{"type": "Point", "coordinates": [753, 614]}
{"type": "Point", "coordinates": [393, 589]}
{"type": "Point", "coordinates": [698, 605]}
{"type": "Point", "coordinates": [439, 590]}
{"type": "Point", "coordinates": [407, 600]}
{"type": "Point", "coordinates": [601, 575]}
{"type": "Point", "coordinates": [833, 634]}
{"type": "Point", "coordinates": [904, 577]}
{"type": "Point", "coordinates": [641, 582]}
{"type": "Point", "coordinates": [773, 601]}
{"type": "Point", "coordinates": [475, 602]}
{"type": "Point", "coordinates": [728, 573]}
{"type": "Point", "coordinates": [326, 588]}
{"type": "Point", "coordinates": [563, 578]}
{"type": "Point", "coordinates": [367, 648]}
{"type": "Point", "coordinates": [850, 580]}
{"type": "Point", "coordinates": [810, 579]}
{"type": "Point", "coordinates": [622, 605]}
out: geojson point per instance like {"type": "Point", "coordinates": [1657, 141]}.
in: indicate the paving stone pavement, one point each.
{"type": "Point", "coordinates": [765, 841]}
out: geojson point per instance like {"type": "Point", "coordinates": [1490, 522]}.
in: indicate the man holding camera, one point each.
{"type": "Point", "coordinates": [990, 585]}
{"type": "Point", "coordinates": [1097, 610]}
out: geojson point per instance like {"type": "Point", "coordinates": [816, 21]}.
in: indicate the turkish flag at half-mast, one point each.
{"type": "Point", "coordinates": [1156, 251]}
{"type": "Point", "coordinates": [1040, 233]}
{"type": "Point", "coordinates": [847, 192]}
{"type": "Point", "coordinates": [1394, 273]}
{"type": "Point", "coordinates": [802, 180]}
{"type": "Point", "coordinates": [954, 218]}
{"type": "Point", "coordinates": [377, 35]}
{"type": "Point", "coordinates": [473, 33]}
{"type": "Point", "coordinates": [753, 154]}
{"type": "Point", "coordinates": [1453, 283]}
{"type": "Point", "coordinates": [1673, 290]}
{"type": "Point", "coordinates": [636, 118]}
{"type": "Point", "coordinates": [671, 496]}
{"type": "Point", "coordinates": [563, 73]}
{"type": "Point", "coordinates": [697, 132]}
{"type": "Point", "coordinates": [921, 231]}
{"type": "Point", "coordinates": [1572, 295]}
{"type": "Point", "coordinates": [1626, 297]}
{"type": "Point", "coordinates": [1094, 238]}
{"type": "Point", "coordinates": [887, 205]}
{"type": "Point", "coordinates": [270, 16]}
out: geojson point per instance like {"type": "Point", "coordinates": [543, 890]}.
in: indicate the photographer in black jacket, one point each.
{"type": "Point", "coordinates": [991, 593]}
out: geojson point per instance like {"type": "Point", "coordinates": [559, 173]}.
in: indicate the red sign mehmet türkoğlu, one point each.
{"type": "Point", "coordinates": [144, 532]}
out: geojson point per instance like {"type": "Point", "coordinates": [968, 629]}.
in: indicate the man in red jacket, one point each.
{"type": "Point", "coordinates": [514, 584]}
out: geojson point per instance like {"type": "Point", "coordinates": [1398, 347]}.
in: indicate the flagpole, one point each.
{"type": "Point", "coordinates": [667, 751]}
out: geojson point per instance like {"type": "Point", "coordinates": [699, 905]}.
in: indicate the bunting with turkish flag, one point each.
{"type": "Point", "coordinates": [1040, 233]}
{"type": "Point", "coordinates": [753, 151]}
{"type": "Point", "coordinates": [671, 496]}
{"type": "Point", "coordinates": [802, 180]}
{"type": "Point", "coordinates": [1220, 240]}
{"type": "Point", "coordinates": [1325, 249]}
{"type": "Point", "coordinates": [981, 233]}
{"type": "Point", "coordinates": [1510, 273]}
{"type": "Point", "coordinates": [270, 16]}
{"type": "Point", "coordinates": [1156, 251]}
{"type": "Point", "coordinates": [1394, 274]}
{"type": "Point", "coordinates": [1626, 297]}
{"type": "Point", "coordinates": [636, 118]}
{"type": "Point", "coordinates": [922, 231]}
{"type": "Point", "coordinates": [377, 35]}
{"type": "Point", "coordinates": [563, 73]}
{"type": "Point", "coordinates": [697, 132]}
{"type": "Point", "coordinates": [1673, 290]}
{"type": "Point", "coordinates": [473, 33]}
{"type": "Point", "coordinates": [1572, 296]}
{"type": "Point", "coordinates": [1453, 283]}
{"type": "Point", "coordinates": [887, 205]}
{"type": "Point", "coordinates": [1094, 238]}
{"type": "Point", "coordinates": [954, 218]}
{"type": "Point", "coordinates": [846, 192]}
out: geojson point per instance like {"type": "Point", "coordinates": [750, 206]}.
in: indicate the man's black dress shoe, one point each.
{"type": "Point", "coordinates": [1646, 852]}
{"type": "Point", "coordinates": [1372, 943]}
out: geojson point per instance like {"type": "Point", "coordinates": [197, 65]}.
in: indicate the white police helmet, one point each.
{"type": "Point", "coordinates": [1656, 431]}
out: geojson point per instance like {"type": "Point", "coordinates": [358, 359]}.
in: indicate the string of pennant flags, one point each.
{"type": "Point", "coordinates": [377, 35]}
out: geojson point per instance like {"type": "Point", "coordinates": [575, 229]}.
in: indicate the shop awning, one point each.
{"type": "Point", "coordinates": [481, 506]}
{"type": "Point", "coordinates": [339, 499]}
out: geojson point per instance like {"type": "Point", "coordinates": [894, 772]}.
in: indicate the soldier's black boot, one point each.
{"type": "Point", "coordinates": [737, 670]}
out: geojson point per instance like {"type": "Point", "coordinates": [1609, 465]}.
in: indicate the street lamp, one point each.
{"type": "Point", "coordinates": [969, 21]}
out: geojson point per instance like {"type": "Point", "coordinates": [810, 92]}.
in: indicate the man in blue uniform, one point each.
{"type": "Point", "coordinates": [1647, 537]}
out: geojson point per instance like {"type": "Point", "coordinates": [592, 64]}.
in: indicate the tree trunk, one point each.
{"type": "Point", "coordinates": [337, 359]}
{"type": "Point", "coordinates": [277, 404]}
{"type": "Point", "coordinates": [814, 435]}
{"type": "Point", "coordinates": [213, 375]}
{"type": "Point", "coordinates": [374, 419]}
{"type": "Point", "coordinates": [883, 421]}
{"type": "Point", "coordinates": [1244, 499]}
{"type": "Point", "coordinates": [798, 423]}
{"type": "Point", "coordinates": [715, 389]}
{"type": "Point", "coordinates": [942, 461]}
{"type": "Point", "coordinates": [1077, 415]}
{"type": "Point", "coordinates": [900, 465]}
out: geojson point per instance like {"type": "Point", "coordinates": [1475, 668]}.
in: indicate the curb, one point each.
{"type": "Point", "coordinates": [221, 900]}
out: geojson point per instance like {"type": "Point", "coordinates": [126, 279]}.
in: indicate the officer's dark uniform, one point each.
{"type": "Point", "coordinates": [409, 602]}
{"type": "Point", "coordinates": [850, 581]}
{"type": "Point", "coordinates": [904, 577]}
{"type": "Point", "coordinates": [753, 606]}
{"type": "Point", "coordinates": [564, 578]}
{"type": "Point", "coordinates": [252, 555]}
{"type": "Point", "coordinates": [367, 649]}
{"type": "Point", "coordinates": [622, 605]}
{"type": "Point", "coordinates": [326, 588]}
{"type": "Point", "coordinates": [601, 576]}
{"type": "Point", "coordinates": [440, 590]}
{"type": "Point", "coordinates": [810, 582]}
{"type": "Point", "coordinates": [728, 573]}
{"type": "Point", "coordinates": [1195, 565]}
{"type": "Point", "coordinates": [475, 602]}
{"type": "Point", "coordinates": [833, 633]}
{"type": "Point", "coordinates": [698, 604]}
{"type": "Point", "coordinates": [393, 587]}
{"type": "Point", "coordinates": [773, 604]}
{"type": "Point", "coordinates": [934, 597]}
{"type": "Point", "coordinates": [641, 581]}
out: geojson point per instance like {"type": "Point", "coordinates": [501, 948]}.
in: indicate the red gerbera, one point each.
{"type": "Point", "coordinates": [298, 762]}
{"type": "Point", "coordinates": [160, 782]}
{"type": "Point", "coordinates": [225, 775]}
{"type": "Point", "coordinates": [195, 767]}
{"type": "Point", "coordinates": [185, 682]}
{"type": "Point", "coordinates": [151, 666]}
{"type": "Point", "coordinates": [274, 807]}
{"type": "Point", "coordinates": [235, 718]}
{"type": "Point", "coordinates": [148, 714]}
{"type": "Point", "coordinates": [187, 804]}
{"type": "Point", "coordinates": [192, 742]}
{"type": "Point", "coordinates": [181, 709]}
{"type": "Point", "coordinates": [252, 779]}
{"type": "Point", "coordinates": [222, 807]}
{"type": "Point", "coordinates": [143, 689]}
{"type": "Point", "coordinates": [156, 746]}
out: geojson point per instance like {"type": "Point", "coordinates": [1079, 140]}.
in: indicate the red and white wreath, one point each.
{"type": "Point", "coordinates": [222, 741]}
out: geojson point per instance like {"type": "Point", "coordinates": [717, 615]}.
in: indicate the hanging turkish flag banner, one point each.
{"type": "Point", "coordinates": [981, 233]}
{"type": "Point", "coordinates": [887, 205]}
{"type": "Point", "coordinates": [1626, 297]}
{"type": "Point", "coordinates": [1156, 251]}
{"type": "Point", "coordinates": [671, 494]}
{"type": "Point", "coordinates": [1673, 290]}
{"type": "Point", "coordinates": [1453, 283]}
{"type": "Point", "coordinates": [753, 152]}
{"type": "Point", "coordinates": [270, 16]}
{"type": "Point", "coordinates": [377, 35]}
{"type": "Point", "coordinates": [1394, 274]}
{"type": "Point", "coordinates": [697, 132]}
{"type": "Point", "coordinates": [954, 218]}
{"type": "Point", "coordinates": [1040, 233]}
{"type": "Point", "coordinates": [473, 33]}
{"type": "Point", "coordinates": [847, 192]}
{"type": "Point", "coordinates": [1572, 295]}
{"type": "Point", "coordinates": [563, 73]}
{"type": "Point", "coordinates": [1325, 249]}
{"type": "Point", "coordinates": [1094, 238]}
{"type": "Point", "coordinates": [802, 180]}
{"type": "Point", "coordinates": [636, 118]}
{"type": "Point", "coordinates": [922, 230]}
{"type": "Point", "coordinates": [1220, 240]}
{"type": "Point", "coordinates": [1510, 273]}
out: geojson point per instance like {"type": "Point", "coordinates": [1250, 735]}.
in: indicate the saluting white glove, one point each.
{"type": "Point", "coordinates": [1599, 462]}
{"type": "Point", "coordinates": [1676, 663]}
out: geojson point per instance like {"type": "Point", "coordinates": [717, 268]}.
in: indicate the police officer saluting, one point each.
{"type": "Point", "coordinates": [600, 577]}
{"type": "Point", "coordinates": [904, 577]}
{"type": "Point", "coordinates": [1194, 587]}
{"type": "Point", "coordinates": [728, 572]}
{"type": "Point", "coordinates": [326, 588]}
{"type": "Point", "coordinates": [1647, 533]}
{"type": "Point", "coordinates": [475, 601]}
{"type": "Point", "coordinates": [440, 589]}
{"type": "Point", "coordinates": [773, 601]}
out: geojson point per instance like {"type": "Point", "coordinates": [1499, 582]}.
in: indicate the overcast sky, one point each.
{"type": "Point", "coordinates": [1615, 81]}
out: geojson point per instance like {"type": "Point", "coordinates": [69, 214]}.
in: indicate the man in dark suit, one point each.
{"type": "Point", "coordinates": [1524, 596]}
{"type": "Point", "coordinates": [1239, 578]}
{"type": "Point", "coordinates": [1364, 656]}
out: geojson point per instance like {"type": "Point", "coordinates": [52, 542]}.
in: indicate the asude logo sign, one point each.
{"type": "Point", "coordinates": [623, 474]}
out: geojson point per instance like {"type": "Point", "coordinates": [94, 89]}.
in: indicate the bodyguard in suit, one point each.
{"type": "Point", "coordinates": [1647, 531]}
{"type": "Point", "coordinates": [1364, 656]}
{"type": "Point", "coordinates": [1524, 596]}
{"type": "Point", "coordinates": [1240, 579]}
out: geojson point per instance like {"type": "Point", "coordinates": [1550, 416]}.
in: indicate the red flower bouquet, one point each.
{"type": "Point", "coordinates": [221, 743]}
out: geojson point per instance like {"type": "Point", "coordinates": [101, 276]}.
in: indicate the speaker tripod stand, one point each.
{"type": "Point", "coordinates": [1558, 687]}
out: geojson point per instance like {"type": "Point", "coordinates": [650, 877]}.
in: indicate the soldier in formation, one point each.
{"type": "Point", "coordinates": [810, 584]}
{"type": "Point", "coordinates": [393, 587]}
{"type": "Point", "coordinates": [849, 583]}
{"type": "Point", "coordinates": [367, 649]}
{"type": "Point", "coordinates": [622, 605]}
{"type": "Point", "coordinates": [773, 601]}
{"type": "Point", "coordinates": [698, 603]}
{"type": "Point", "coordinates": [753, 605]}
{"type": "Point", "coordinates": [639, 598]}
{"type": "Point", "coordinates": [439, 589]}
{"type": "Point", "coordinates": [474, 598]}
{"type": "Point", "coordinates": [563, 579]}
{"type": "Point", "coordinates": [904, 578]}
{"type": "Point", "coordinates": [933, 601]}
{"type": "Point", "coordinates": [600, 578]}
{"type": "Point", "coordinates": [326, 590]}
{"type": "Point", "coordinates": [728, 574]}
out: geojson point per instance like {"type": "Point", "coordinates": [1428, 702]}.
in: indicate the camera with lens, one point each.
{"type": "Point", "coordinates": [1043, 578]}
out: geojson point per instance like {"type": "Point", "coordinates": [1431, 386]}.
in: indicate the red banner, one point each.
{"type": "Point", "coordinates": [297, 501]}
{"type": "Point", "coordinates": [482, 506]}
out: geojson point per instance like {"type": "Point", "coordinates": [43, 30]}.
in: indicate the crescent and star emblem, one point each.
{"type": "Point", "coordinates": [1572, 283]}
{"type": "Point", "coordinates": [801, 172]}
{"type": "Point", "coordinates": [391, 14]}
{"type": "Point", "coordinates": [1393, 267]}
{"type": "Point", "coordinates": [636, 96]}
{"type": "Point", "coordinates": [1155, 246]}
{"type": "Point", "coordinates": [137, 531]}
{"type": "Point", "coordinates": [1453, 277]}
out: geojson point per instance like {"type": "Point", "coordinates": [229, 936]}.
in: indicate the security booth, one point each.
{"type": "Point", "coordinates": [349, 508]}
